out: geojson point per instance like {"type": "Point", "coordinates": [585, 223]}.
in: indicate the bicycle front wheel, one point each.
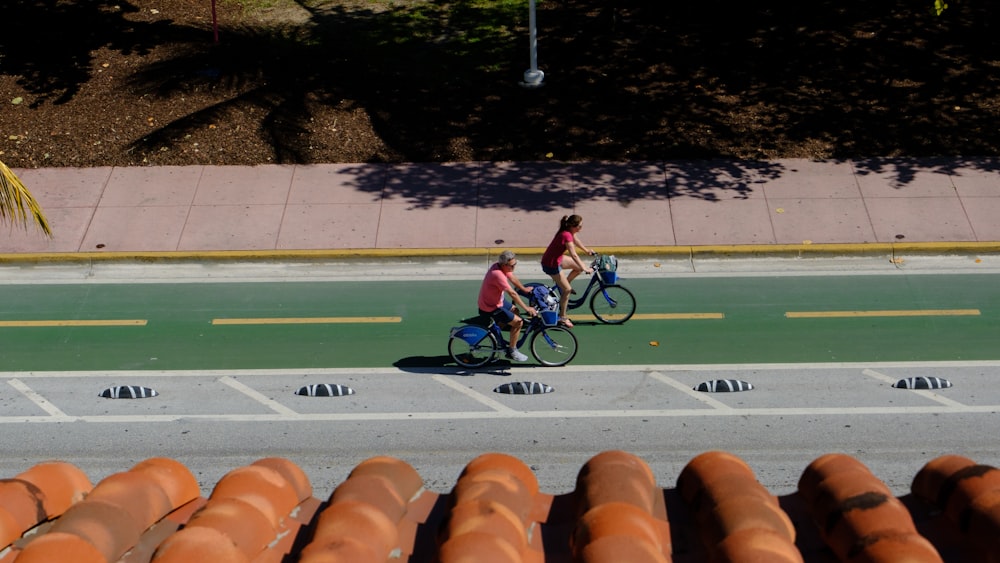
{"type": "Point", "coordinates": [613, 304]}
{"type": "Point", "coordinates": [471, 352]}
{"type": "Point", "coordinates": [553, 346]}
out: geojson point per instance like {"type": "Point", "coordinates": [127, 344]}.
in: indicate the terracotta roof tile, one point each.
{"type": "Point", "coordinates": [57, 546]}
{"type": "Point", "coordinates": [20, 508]}
{"type": "Point", "coordinates": [104, 525]}
{"type": "Point", "coordinates": [361, 521]}
{"type": "Point", "coordinates": [177, 481]}
{"type": "Point", "coordinates": [249, 529]}
{"type": "Point", "coordinates": [619, 519]}
{"type": "Point", "coordinates": [615, 549]}
{"type": "Point", "coordinates": [617, 476]}
{"type": "Point", "coordinates": [291, 473]}
{"type": "Point", "coordinates": [58, 486]}
{"type": "Point", "coordinates": [267, 512]}
{"type": "Point", "coordinates": [135, 492]}
{"type": "Point", "coordinates": [199, 545]}
{"type": "Point", "coordinates": [262, 487]}
{"type": "Point", "coordinates": [968, 496]}
{"type": "Point", "coordinates": [726, 499]}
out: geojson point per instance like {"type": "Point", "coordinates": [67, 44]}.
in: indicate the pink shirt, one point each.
{"type": "Point", "coordinates": [554, 253]}
{"type": "Point", "coordinates": [491, 293]}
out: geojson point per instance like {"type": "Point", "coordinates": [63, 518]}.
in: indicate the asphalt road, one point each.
{"type": "Point", "coordinates": [822, 353]}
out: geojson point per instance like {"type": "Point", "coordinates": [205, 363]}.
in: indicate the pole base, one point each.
{"type": "Point", "coordinates": [533, 78]}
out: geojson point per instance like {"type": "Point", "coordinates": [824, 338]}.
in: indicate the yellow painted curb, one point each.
{"type": "Point", "coordinates": [947, 247]}
{"type": "Point", "coordinates": [751, 250]}
{"type": "Point", "coordinates": [686, 251]}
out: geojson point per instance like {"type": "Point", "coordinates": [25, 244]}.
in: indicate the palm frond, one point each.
{"type": "Point", "coordinates": [16, 202]}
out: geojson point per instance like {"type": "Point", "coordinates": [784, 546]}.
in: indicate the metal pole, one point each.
{"type": "Point", "coordinates": [533, 77]}
{"type": "Point", "coordinates": [215, 24]}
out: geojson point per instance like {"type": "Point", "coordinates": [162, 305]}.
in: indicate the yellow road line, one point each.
{"type": "Point", "coordinates": [306, 320]}
{"type": "Point", "coordinates": [658, 316]}
{"type": "Point", "coordinates": [677, 316]}
{"type": "Point", "coordinates": [97, 322]}
{"type": "Point", "coordinates": [902, 313]}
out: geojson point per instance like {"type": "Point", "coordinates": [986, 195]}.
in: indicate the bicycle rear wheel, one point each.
{"type": "Point", "coordinates": [553, 346]}
{"type": "Point", "coordinates": [472, 351]}
{"type": "Point", "coordinates": [613, 304]}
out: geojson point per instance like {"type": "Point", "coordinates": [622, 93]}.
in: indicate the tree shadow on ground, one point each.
{"type": "Point", "coordinates": [627, 81]}
{"type": "Point", "coordinates": [554, 186]}
{"type": "Point", "coordinates": [729, 85]}
{"type": "Point", "coordinates": [50, 44]}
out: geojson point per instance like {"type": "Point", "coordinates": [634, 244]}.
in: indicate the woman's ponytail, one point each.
{"type": "Point", "coordinates": [569, 221]}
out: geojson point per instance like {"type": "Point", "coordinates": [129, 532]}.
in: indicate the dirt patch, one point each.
{"type": "Point", "coordinates": [141, 82]}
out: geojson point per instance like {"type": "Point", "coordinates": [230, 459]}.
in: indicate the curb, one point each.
{"type": "Point", "coordinates": [893, 250]}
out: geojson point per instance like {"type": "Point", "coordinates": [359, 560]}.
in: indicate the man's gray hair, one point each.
{"type": "Point", "coordinates": [505, 257]}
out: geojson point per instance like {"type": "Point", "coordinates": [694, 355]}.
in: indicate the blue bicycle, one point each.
{"type": "Point", "coordinates": [611, 303]}
{"type": "Point", "coordinates": [481, 340]}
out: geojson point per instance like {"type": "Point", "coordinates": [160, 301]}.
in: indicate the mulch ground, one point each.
{"type": "Point", "coordinates": [142, 82]}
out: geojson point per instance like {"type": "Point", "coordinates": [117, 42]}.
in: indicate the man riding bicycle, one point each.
{"type": "Point", "coordinates": [491, 300]}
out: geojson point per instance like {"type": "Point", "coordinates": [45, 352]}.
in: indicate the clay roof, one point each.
{"type": "Point", "coordinates": [268, 512]}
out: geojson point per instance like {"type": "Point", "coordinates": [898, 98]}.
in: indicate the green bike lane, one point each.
{"type": "Point", "coordinates": [923, 317]}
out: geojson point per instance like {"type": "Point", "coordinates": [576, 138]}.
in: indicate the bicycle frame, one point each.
{"type": "Point", "coordinates": [530, 326]}
{"type": "Point", "coordinates": [483, 339]}
{"type": "Point", "coordinates": [595, 279]}
{"type": "Point", "coordinates": [575, 303]}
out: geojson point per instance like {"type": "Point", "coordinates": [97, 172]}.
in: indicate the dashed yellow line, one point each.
{"type": "Point", "coordinates": [658, 316]}
{"type": "Point", "coordinates": [891, 313]}
{"type": "Point", "coordinates": [678, 316]}
{"type": "Point", "coordinates": [96, 322]}
{"type": "Point", "coordinates": [377, 320]}
{"type": "Point", "coordinates": [306, 320]}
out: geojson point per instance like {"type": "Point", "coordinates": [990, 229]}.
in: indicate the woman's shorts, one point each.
{"type": "Point", "coordinates": [552, 270]}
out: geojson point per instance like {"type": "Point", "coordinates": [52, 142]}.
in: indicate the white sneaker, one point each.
{"type": "Point", "coordinates": [516, 355]}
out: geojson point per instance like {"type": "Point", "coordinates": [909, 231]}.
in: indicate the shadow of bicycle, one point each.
{"type": "Point", "coordinates": [444, 365]}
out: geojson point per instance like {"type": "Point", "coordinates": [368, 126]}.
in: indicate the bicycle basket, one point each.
{"type": "Point", "coordinates": [546, 303]}
{"type": "Point", "coordinates": [607, 265]}
{"type": "Point", "coordinates": [550, 318]}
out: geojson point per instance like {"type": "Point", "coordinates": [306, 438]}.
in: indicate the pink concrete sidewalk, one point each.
{"type": "Point", "coordinates": [490, 205]}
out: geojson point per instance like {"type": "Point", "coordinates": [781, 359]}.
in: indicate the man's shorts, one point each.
{"type": "Point", "coordinates": [502, 316]}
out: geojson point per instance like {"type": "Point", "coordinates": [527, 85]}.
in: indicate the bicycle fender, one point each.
{"type": "Point", "coordinates": [470, 334]}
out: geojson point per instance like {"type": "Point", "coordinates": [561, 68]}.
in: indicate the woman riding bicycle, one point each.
{"type": "Point", "coordinates": [566, 240]}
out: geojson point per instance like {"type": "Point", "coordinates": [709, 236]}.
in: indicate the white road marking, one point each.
{"type": "Point", "coordinates": [687, 390]}
{"type": "Point", "coordinates": [258, 396]}
{"type": "Point", "coordinates": [478, 397]}
{"type": "Point", "coordinates": [40, 401]}
{"type": "Point", "coordinates": [922, 392]}
{"type": "Point", "coordinates": [458, 268]}
{"type": "Point", "coordinates": [496, 415]}
{"type": "Point", "coordinates": [513, 369]}
{"type": "Point", "coordinates": [497, 410]}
